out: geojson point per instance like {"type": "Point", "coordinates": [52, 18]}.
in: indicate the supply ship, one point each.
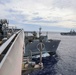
{"type": "Point", "coordinates": [37, 46]}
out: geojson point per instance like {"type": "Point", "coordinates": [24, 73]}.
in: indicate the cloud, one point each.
{"type": "Point", "coordinates": [3, 2]}
{"type": "Point", "coordinates": [70, 4]}
{"type": "Point", "coordinates": [39, 12]}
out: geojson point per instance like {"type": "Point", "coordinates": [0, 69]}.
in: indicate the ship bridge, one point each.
{"type": "Point", "coordinates": [11, 54]}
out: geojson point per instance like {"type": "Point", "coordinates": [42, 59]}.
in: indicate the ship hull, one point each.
{"type": "Point", "coordinates": [50, 47]}
{"type": "Point", "coordinates": [71, 34]}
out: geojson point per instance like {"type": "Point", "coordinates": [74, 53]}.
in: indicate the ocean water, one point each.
{"type": "Point", "coordinates": [64, 61]}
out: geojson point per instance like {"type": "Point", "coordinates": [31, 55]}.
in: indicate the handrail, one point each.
{"type": "Point", "coordinates": [6, 44]}
{"type": "Point", "coordinates": [3, 46]}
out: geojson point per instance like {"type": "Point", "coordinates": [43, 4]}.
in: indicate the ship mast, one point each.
{"type": "Point", "coordinates": [40, 31]}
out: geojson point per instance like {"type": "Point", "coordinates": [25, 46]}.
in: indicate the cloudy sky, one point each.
{"type": "Point", "coordinates": [51, 15]}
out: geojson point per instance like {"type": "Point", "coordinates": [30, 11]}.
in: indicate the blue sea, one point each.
{"type": "Point", "coordinates": [64, 61]}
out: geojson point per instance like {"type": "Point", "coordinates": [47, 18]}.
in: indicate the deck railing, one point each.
{"type": "Point", "coordinates": [6, 47]}
{"type": "Point", "coordinates": [11, 54]}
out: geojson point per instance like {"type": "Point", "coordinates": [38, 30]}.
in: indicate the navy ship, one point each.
{"type": "Point", "coordinates": [71, 33]}
{"type": "Point", "coordinates": [32, 44]}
